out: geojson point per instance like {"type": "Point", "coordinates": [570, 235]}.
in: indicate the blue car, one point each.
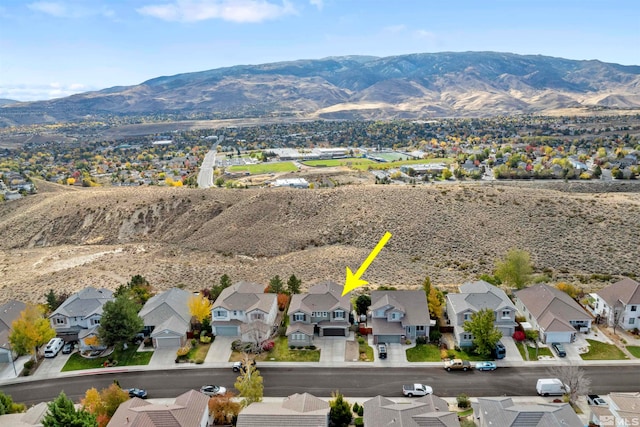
{"type": "Point", "coordinates": [486, 366]}
{"type": "Point", "coordinates": [137, 392]}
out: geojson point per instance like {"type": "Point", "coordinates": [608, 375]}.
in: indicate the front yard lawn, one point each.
{"type": "Point", "coordinates": [199, 352]}
{"type": "Point", "coordinates": [423, 353]}
{"type": "Point", "coordinates": [634, 350]}
{"type": "Point", "coordinates": [128, 357]}
{"type": "Point", "coordinates": [282, 353]}
{"type": "Point", "coordinates": [602, 351]}
{"type": "Point", "coordinates": [462, 354]}
{"type": "Point", "coordinates": [365, 350]}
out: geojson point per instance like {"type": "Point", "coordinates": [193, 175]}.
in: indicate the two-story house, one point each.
{"type": "Point", "coordinates": [79, 313]}
{"type": "Point", "coordinates": [399, 315]}
{"type": "Point", "coordinates": [476, 296]}
{"type": "Point", "coordinates": [620, 302]}
{"type": "Point", "coordinates": [9, 312]}
{"type": "Point", "coordinates": [167, 318]}
{"type": "Point", "coordinates": [244, 310]}
{"type": "Point", "coordinates": [323, 311]}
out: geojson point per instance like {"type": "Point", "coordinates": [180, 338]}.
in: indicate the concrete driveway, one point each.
{"type": "Point", "coordinates": [332, 349]}
{"type": "Point", "coordinates": [163, 358]}
{"type": "Point", "coordinates": [512, 353]}
{"type": "Point", "coordinates": [50, 367]}
{"type": "Point", "coordinates": [220, 350]}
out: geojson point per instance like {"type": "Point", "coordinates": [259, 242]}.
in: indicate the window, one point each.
{"type": "Point", "coordinates": [95, 321]}
{"type": "Point", "coordinates": [506, 314]}
{"type": "Point", "coordinates": [420, 328]}
{"type": "Point", "coordinates": [257, 316]}
{"type": "Point", "coordinates": [220, 313]}
{"type": "Point", "coordinates": [467, 316]}
{"type": "Point", "coordinates": [235, 312]}
{"type": "Point", "coordinates": [634, 307]}
{"type": "Point", "coordinates": [298, 317]}
{"type": "Point", "coordinates": [60, 321]}
{"type": "Point", "coordinates": [298, 337]}
{"type": "Point", "coordinates": [395, 316]}
{"type": "Point", "coordinates": [338, 314]}
{"type": "Point", "coordinates": [632, 320]}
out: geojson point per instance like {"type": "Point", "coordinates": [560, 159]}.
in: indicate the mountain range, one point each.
{"type": "Point", "coordinates": [419, 85]}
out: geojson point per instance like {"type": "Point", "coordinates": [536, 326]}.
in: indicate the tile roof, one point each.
{"type": "Point", "coordinates": [626, 290]}
{"type": "Point", "coordinates": [173, 302]}
{"type": "Point", "coordinates": [425, 411]}
{"type": "Point", "coordinates": [85, 303]}
{"type": "Point", "coordinates": [187, 411]}
{"type": "Point", "coordinates": [551, 307]}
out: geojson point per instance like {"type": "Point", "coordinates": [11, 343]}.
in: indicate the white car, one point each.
{"type": "Point", "coordinates": [213, 390]}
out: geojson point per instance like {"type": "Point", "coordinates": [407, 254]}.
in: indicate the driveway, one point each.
{"type": "Point", "coordinates": [220, 350]}
{"type": "Point", "coordinates": [163, 358]}
{"type": "Point", "coordinates": [332, 349]}
{"type": "Point", "coordinates": [512, 352]}
{"type": "Point", "coordinates": [50, 367]}
{"type": "Point", "coordinates": [396, 353]}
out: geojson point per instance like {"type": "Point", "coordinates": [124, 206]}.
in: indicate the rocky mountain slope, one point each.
{"type": "Point", "coordinates": [71, 239]}
{"type": "Point", "coordinates": [417, 85]}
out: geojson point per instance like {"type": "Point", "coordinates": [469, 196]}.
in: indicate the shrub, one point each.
{"type": "Point", "coordinates": [444, 353]}
{"type": "Point", "coordinates": [26, 372]}
{"type": "Point", "coordinates": [355, 407]}
{"type": "Point", "coordinates": [421, 340]}
{"type": "Point", "coordinates": [205, 339]}
{"type": "Point", "coordinates": [463, 401]}
{"type": "Point", "coordinates": [268, 345]}
{"type": "Point", "coordinates": [358, 422]}
{"type": "Point", "coordinates": [29, 364]}
{"type": "Point", "coordinates": [194, 342]}
{"type": "Point", "coordinates": [292, 347]}
{"type": "Point", "coordinates": [199, 361]}
{"type": "Point", "coordinates": [519, 336]}
{"type": "Point", "coordinates": [531, 335]}
{"type": "Point", "coordinates": [183, 351]}
{"type": "Point", "coordinates": [360, 411]}
{"type": "Point", "coordinates": [311, 347]}
{"type": "Point", "coordinates": [451, 354]}
{"type": "Point", "coordinates": [407, 342]}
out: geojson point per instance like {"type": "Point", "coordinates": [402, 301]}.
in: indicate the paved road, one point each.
{"type": "Point", "coordinates": [205, 176]}
{"type": "Point", "coordinates": [353, 382]}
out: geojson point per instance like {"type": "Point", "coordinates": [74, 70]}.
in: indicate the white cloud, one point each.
{"type": "Point", "coordinates": [39, 92]}
{"type": "Point", "coordinates": [424, 34]}
{"type": "Point", "coordinates": [317, 3]}
{"type": "Point", "coordinates": [58, 10]}
{"type": "Point", "coordinates": [241, 11]}
{"type": "Point", "coordinates": [73, 9]}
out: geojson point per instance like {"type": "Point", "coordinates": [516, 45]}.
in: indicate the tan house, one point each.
{"type": "Point", "coordinates": [501, 411]}
{"type": "Point", "coordinates": [425, 411]}
{"type": "Point", "coordinates": [300, 410]}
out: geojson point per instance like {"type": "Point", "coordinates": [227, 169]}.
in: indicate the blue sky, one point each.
{"type": "Point", "coordinates": [50, 49]}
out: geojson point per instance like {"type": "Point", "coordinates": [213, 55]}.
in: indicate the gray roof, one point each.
{"type": "Point", "coordinates": [172, 324]}
{"type": "Point", "coordinates": [412, 303]}
{"type": "Point", "coordinates": [10, 311]}
{"type": "Point", "coordinates": [32, 418]}
{"type": "Point", "coordinates": [245, 296]}
{"type": "Point", "coordinates": [325, 296]}
{"type": "Point", "coordinates": [305, 328]}
{"type": "Point", "coordinates": [159, 308]}
{"type": "Point", "coordinates": [187, 411]}
{"type": "Point", "coordinates": [426, 411]}
{"type": "Point", "coordinates": [84, 303]}
{"type": "Point", "coordinates": [300, 410]}
{"type": "Point", "coordinates": [626, 290]}
{"type": "Point", "coordinates": [500, 411]}
{"type": "Point", "coordinates": [552, 308]}
{"type": "Point", "coordinates": [476, 296]}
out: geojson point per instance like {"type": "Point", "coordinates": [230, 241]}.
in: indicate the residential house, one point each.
{"type": "Point", "coordinates": [399, 315]}
{"type": "Point", "coordinates": [9, 312]}
{"type": "Point", "coordinates": [323, 310]}
{"type": "Point", "coordinates": [553, 313]}
{"type": "Point", "coordinates": [81, 310]}
{"type": "Point", "coordinates": [476, 296]}
{"type": "Point", "coordinates": [167, 318]}
{"type": "Point", "coordinates": [244, 310]}
{"type": "Point", "coordinates": [425, 411]}
{"type": "Point", "coordinates": [300, 410]}
{"type": "Point", "coordinates": [31, 418]}
{"type": "Point", "coordinates": [190, 409]}
{"type": "Point", "coordinates": [620, 302]}
{"type": "Point", "coordinates": [501, 411]}
{"type": "Point", "coordinates": [623, 410]}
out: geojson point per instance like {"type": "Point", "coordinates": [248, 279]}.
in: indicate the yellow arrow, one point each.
{"type": "Point", "coordinates": [353, 280]}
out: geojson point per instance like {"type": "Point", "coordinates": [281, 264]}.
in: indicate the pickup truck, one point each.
{"type": "Point", "coordinates": [416, 390]}
{"type": "Point", "coordinates": [595, 400]}
{"type": "Point", "coordinates": [457, 365]}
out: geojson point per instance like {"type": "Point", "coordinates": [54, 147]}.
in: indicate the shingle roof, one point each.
{"type": "Point", "coordinates": [245, 296]}
{"type": "Point", "coordinates": [501, 411]}
{"type": "Point", "coordinates": [187, 411]}
{"type": "Point", "coordinates": [306, 328]}
{"type": "Point", "coordinates": [412, 303]}
{"type": "Point", "coordinates": [325, 296]}
{"type": "Point", "coordinates": [84, 303]}
{"type": "Point", "coordinates": [626, 290]}
{"type": "Point", "coordinates": [9, 312]}
{"type": "Point", "coordinates": [479, 295]}
{"type": "Point", "coordinates": [300, 410]}
{"type": "Point", "coordinates": [173, 302]}
{"type": "Point", "coordinates": [426, 411]}
{"type": "Point", "coordinates": [548, 304]}
{"type": "Point", "coordinates": [172, 324]}
{"type": "Point", "coordinates": [628, 404]}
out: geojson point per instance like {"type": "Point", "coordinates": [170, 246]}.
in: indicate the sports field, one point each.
{"type": "Point", "coordinates": [338, 162]}
{"type": "Point", "coordinates": [261, 168]}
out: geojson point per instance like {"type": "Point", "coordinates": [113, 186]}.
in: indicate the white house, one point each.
{"type": "Point", "coordinates": [620, 301]}
{"type": "Point", "coordinates": [81, 310]}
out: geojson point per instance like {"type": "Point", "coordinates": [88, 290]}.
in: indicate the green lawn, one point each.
{"type": "Point", "coordinates": [601, 351]}
{"type": "Point", "coordinates": [462, 354]}
{"type": "Point", "coordinates": [128, 357]}
{"type": "Point", "coordinates": [634, 350]}
{"type": "Point", "coordinates": [262, 168]}
{"type": "Point", "coordinates": [282, 353]}
{"type": "Point", "coordinates": [365, 350]}
{"type": "Point", "coordinates": [338, 162]}
{"type": "Point", "coordinates": [423, 353]}
{"type": "Point", "coordinates": [199, 352]}
{"type": "Point", "coordinates": [396, 164]}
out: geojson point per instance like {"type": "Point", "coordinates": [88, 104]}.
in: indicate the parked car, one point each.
{"type": "Point", "coordinates": [486, 366]}
{"type": "Point", "coordinates": [237, 366]}
{"type": "Point", "coordinates": [416, 390]}
{"type": "Point", "coordinates": [212, 390]}
{"type": "Point", "coordinates": [382, 351]}
{"type": "Point", "coordinates": [137, 392]}
{"type": "Point", "coordinates": [551, 387]}
{"type": "Point", "coordinates": [559, 349]}
{"type": "Point", "coordinates": [595, 400]}
{"type": "Point", "coordinates": [457, 365]}
{"type": "Point", "coordinates": [69, 347]}
{"type": "Point", "coordinates": [53, 347]}
{"type": "Point", "coordinates": [499, 352]}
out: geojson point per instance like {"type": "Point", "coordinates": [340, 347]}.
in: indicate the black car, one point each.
{"type": "Point", "coordinates": [382, 351]}
{"type": "Point", "coordinates": [68, 347]}
{"type": "Point", "coordinates": [558, 348]}
{"type": "Point", "coordinates": [137, 392]}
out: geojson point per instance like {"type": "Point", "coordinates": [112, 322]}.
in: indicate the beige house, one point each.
{"type": "Point", "coordinates": [623, 410]}
{"type": "Point", "coordinates": [501, 411]}
{"type": "Point", "coordinates": [425, 411]}
{"type": "Point", "coordinates": [300, 410]}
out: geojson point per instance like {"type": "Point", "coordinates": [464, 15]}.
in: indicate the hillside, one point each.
{"type": "Point", "coordinates": [407, 86]}
{"type": "Point", "coordinates": [70, 239]}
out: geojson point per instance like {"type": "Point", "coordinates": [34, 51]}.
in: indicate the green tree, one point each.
{"type": "Point", "coordinates": [62, 413]}
{"type": "Point", "coordinates": [219, 182]}
{"type": "Point", "coordinates": [362, 304]}
{"type": "Point", "coordinates": [249, 384]}
{"type": "Point", "coordinates": [8, 406]}
{"type": "Point", "coordinates": [340, 414]}
{"type": "Point", "coordinates": [446, 174]}
{"type": "Point", "coordinates": [52, 300]}
{"type": "Point", "coordinates": [216, 290]}
{"type": "Point", "coordinates": [138, 288]}
{"type": "Point", "coordinates": [485, 334]}
{"type": "Point", "coordinates": [515, 269]}
{"type": "Point", "coordinates": [435, 302]}
{"type": "Point", "coordinates": [120, 321]}
{"type": "Point", "coordinates": [275, 285]}
{"type": "Point", "coordinates": [30, 331]}
{"type": "Point", "coordinates": [293, 284]}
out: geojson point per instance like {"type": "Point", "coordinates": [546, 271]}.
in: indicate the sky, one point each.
{"type": "Point", "coordinates": [54, 48]}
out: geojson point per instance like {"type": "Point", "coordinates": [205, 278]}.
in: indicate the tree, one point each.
{"type": "Point", "coordinates": [275, 285]}
{"type": "Point", "coordinates": [30, 331]}
{"type": "Point", "coordinates": [446, 174]}
{"type": "Point", "coordinates": [224, 409]}
{"type": "Point", "coordinates": [485, 334]}
{"type": "Point", "coordinates": [199, 307]}
{"type": "Point", "coordinates": [112, 397]}
{"type": "Point", "coordinates": [249, 384]}
{"type": "Point", "coordinates": [137, 288]}
{"type": "Point", "coordinates": [62, 413]}
{"type": "Point", "coordinates": [92, 402]}
{"type": "Point", "coordinates": [219, 182]}
{"type": "Point", "coordinates": [435, 302]}
{"type": "Point", "coordinates": [283, 301]}
{"type": "Point", "coordinates": [216, 290]}
{"type": "Point", "coordinates": [293, 285]}
{"type": "Point", "coordinates": [340, 414]}
{"type": "Point", "coordinates": [362, 304]}
{"type": "Point", "coordinates": [515, 269]}
{"type": "Point", "coordinates": [569, 289]}
{"type": "Point", "coordinates": [575, 378]}
{"type": "Point", "coordinates": [120, 321]}
{"type": "Point", "coordinates": [52, 300]}
{"type": "Point", "coordinates": [8, 406]}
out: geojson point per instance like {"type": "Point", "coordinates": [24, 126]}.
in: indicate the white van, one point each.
{"type": "Point", "coordinates": [53, 347]}
{"type": "Point", "coordinates": [551, 387]}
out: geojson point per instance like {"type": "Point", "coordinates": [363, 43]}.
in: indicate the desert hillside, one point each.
{"type": "Point", "coordinates": [68, 239]}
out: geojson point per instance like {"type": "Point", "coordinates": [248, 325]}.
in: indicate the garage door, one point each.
{"type": "Point", "coordinates": [169, 342]}
{"type": "Point", "coordinates": [227, 331]}
{"type": "Point", "coordinates": [333, 332]}
{"type": "Point", "coordinates": [4, 357]}
{"type": "Point", "coordinates": [391, 339]}
{"type": "Point", "coordinates": [558, 337]}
